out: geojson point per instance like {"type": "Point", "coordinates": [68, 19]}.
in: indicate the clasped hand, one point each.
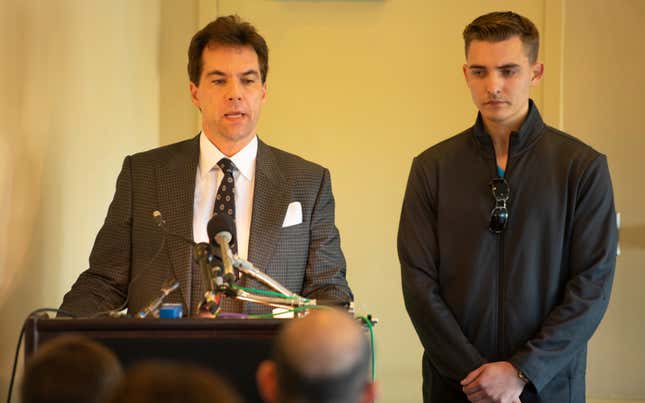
{"type": "Point", "coordinates": [495, 382]}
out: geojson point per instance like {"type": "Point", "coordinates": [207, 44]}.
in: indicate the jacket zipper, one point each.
{"type": "Point", "coordinates": [500, 301]}
{"type": "Point", "coordinates": [500, 270]}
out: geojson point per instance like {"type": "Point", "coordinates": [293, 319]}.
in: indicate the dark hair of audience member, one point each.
{"type": "Point", "coordinates": [70, 369]}
{"type": "Point", "coordinates": [169, 382]}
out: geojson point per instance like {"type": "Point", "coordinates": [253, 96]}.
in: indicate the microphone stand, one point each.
{"type": "Point", "coordinates": [288, 301]}
{"type": "Point", "coordinates": [203, 255]}
{"type": "Point", "coordinates": [221, 282]}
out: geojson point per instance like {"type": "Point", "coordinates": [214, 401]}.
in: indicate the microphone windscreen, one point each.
{"type": "Point", "coordinates": [219, 223]}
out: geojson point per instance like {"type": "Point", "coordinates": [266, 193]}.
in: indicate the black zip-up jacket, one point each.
{"type": "Point", "coordinates": [532, 295]}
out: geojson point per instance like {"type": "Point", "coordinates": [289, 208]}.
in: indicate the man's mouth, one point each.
{"type": "Point", "coordinates": [234, 115]}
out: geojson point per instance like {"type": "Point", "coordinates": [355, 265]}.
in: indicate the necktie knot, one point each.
{"type": "Point", "coordinates": [226, 165]}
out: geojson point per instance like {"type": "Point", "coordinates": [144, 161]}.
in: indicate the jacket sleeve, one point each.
{"type": "Point", "coordinates": [450, 352]}
{"type": "Point", "coordinates": [104, 285]}
{"type": "Point", "coordinates": [592, 259]}
{"type": "Point", "coordinates": [325, 271]}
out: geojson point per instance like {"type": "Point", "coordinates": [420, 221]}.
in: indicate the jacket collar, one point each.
{"type": "Point", "coordinates": [520, 140]}
{"type": "Point", "coordinates": [271, 197]}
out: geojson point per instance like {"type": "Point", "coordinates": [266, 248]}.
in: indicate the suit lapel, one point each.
{"type": "Point", "coordinates": [176, 191]}
{"type": "Point", "coordinates": [270, 200]}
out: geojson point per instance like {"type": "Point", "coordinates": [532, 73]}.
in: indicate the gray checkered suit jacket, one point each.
{"type": "Point", "coordinates": [306, 258]}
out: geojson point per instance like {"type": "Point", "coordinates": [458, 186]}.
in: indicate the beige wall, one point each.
{"type": "Point", "coordinates": [603, 102]}
{"type": "Point", "coordinates": [79, 89]}
{"type": "Point", "coordinates": [177, 115]}
{"type": "Point", "coordinates": [358, 86]}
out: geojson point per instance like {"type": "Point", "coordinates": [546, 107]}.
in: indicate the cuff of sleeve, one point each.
{"type": "Point", "coordinates": [529, 372]}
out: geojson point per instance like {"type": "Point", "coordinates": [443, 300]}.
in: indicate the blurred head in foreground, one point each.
{"type": "Point", "coordinates": [168, 382]}
{"type": "Point", "coordinates": [71, 369]}
{"type": "Point", "coordinates": [323, 358]}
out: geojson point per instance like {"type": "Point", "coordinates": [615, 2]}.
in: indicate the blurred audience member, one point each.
{"type": "Point", "coordinates": [154, 382]}
{"type": "Point", "coordinates": [70, 369]}
{"type": "Point", "coordinates": [323, 358]}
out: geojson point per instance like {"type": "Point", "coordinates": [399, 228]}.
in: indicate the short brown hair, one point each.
{"type": "Point", "coordinates": [172, 382]}
{"type": "Point", "coordinates": [228, 31]}
{"type": "Point", "coordinates": [501, 25]}
{"type": "Point", "coordinates": [72, 369]}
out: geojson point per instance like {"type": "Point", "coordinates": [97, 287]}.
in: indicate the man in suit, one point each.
{"type": "Point", "coordinates": [282, 205]}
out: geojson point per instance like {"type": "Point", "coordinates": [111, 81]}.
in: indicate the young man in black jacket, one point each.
{"type": "Point", "coordinates": [507, 238]}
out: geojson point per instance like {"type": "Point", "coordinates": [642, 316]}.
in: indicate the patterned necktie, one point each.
{"type": "Point", "coordinates": [225, 204]}
{"type": "Point", "coordinates": [225, 199]}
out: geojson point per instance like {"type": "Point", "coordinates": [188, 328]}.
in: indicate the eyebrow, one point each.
{"type": "Point", "coordinates": [251, 73]}
{"type": "Point", "coordinates": [221, 73]}
{"type": "Point", "coordinates": [215, 73]}
{"type": "Point", "coordinates": [504, 66]}
{"type": "Point", "coordinates": [508, 66]}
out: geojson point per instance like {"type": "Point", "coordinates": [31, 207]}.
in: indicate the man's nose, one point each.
{"type": "Point", "coordinates": [494, 84]}
{"type": "Point", "coordinates": [234, 91]}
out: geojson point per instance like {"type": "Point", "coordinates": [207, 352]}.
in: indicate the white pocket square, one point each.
{"type": "Point", "coordinates": [293, 216]}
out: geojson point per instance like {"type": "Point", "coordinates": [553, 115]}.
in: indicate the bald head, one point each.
{"type": "Point", "coordinates": [322, 357]}
{"type": "Point", "coordinates": [324, 343]}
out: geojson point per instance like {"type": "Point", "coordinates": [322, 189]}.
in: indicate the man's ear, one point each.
{"type": "Point", "coordinates": [537, 71]}
{"type": "Point", "coordinates": [193, 94]}
{"type": "Point", "coordinates": [267, 380]}
{"type": "Point", "coordinates": [264, 92]}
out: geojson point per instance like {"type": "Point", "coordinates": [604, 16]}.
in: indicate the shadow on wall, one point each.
{"type": "Point", "coordinates": [29, 179]}
{"type": "Point", "coordinates": [632, 237]}
{"type": "Point", "coordinates": [22, 153]}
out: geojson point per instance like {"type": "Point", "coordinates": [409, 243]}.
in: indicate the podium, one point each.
{"type": "Point", "coordinates": [231, 347]}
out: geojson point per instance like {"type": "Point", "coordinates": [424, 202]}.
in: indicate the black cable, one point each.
{"type": "Point", "coordinates": [22, 333]}
{"type": "Point", "coordinates": [144, 270]}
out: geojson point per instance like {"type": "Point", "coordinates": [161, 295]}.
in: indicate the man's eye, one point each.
{"type": "Point", "coordinates": [218, 81]}
{"type": "Point", "coordinates": [478, 73]}
{"type": "Point", "coordinates": [247, 81]}
{"type": "Point", "coordinates": [508, 72]}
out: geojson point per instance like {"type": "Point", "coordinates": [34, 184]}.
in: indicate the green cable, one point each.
{"type": "Point", "coordinates": [297, 309]}
{"type": "Point", "coordinates": [266, 292]}
{"type": "Point", "coordinates": [371, 329]}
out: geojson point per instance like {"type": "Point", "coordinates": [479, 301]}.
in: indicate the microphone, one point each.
{"type": "Point", "coordinates": [220, 231]}
{"type": "Point", "coordinates": [168, 286]}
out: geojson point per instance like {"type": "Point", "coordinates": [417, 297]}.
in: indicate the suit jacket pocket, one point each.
{"type": "Point", "coordinates": [290, 257]}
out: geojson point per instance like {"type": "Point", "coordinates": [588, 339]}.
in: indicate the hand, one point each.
{"type": "Point", "coordinates": [495, 382]}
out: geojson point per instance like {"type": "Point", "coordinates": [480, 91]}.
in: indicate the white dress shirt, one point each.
{"type": "Point", "coordinates": [209, 176]}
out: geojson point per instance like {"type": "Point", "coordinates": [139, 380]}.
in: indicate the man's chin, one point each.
{"type": "Point", "coordinates": [494, 116]}
{"type": "Point", "coordinates": [235, 139]}
{"type": "Point", "coordinates": [235, 135]}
